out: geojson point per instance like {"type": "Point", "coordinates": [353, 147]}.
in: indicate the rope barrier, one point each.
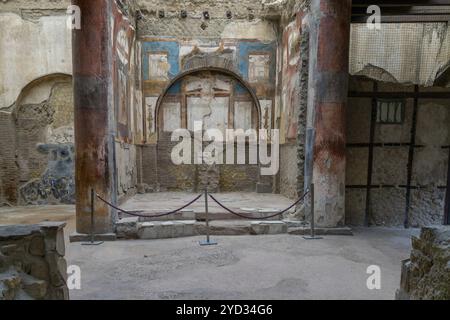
{"type": "Point", "coordinates": [258, 218]}
{"type": "Point", "coordinates": [133, 213]}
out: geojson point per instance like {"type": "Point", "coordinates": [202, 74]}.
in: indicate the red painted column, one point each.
{"type": "Point", "coordinates": [92, 75]}
{"type": "Point", "coordinates": [329, 24]}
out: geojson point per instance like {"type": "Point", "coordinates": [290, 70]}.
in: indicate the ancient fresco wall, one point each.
{"type": "Point", "coordinates": [220, 101]}
{"type": "Point", "coordinates": [127, 100]}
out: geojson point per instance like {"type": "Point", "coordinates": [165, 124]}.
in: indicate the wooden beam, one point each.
{"type": "Point", "coordinates": [399, 11]}
{"type": "Point", "coordinates": [404, 3]}
{"type": "Point", "coordinates": [388, 95]}
{"type": "Point", "coordinates": [405, 18]}
{"type": "Point", "coordinates": [447, 195]}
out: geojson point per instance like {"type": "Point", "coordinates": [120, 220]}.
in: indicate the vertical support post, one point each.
{"type": "Point", "coordinates": [373, 120]}
{"type": "Point", "coordinates": [92, 215]}
{"type": "Point", "coordinates": [313, 232]}
{"type": "Point", "coordinates": [207, 215]}
{"type": "Point", "coordinates": [92, 236]}
{"type": "Point", "coordinates": [412, 147]}
{"type": "Point", "coordinates": [447, 196]}
{"type": "Point", "coordinates": [93, 109]}
{"type": "Point", "coordinates": [208, 241]}
{"type": "Point", "coordinates": [312, 223]}
{"type": "Point", "coordinates": [329, 25]}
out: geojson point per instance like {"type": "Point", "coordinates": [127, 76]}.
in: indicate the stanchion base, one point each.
{"type": "Point", "coordinates": [95, 243]}
{"type": "Point", "coordinates": [312, 238]}
{"type": "Point", "coordinates": [208, 243]}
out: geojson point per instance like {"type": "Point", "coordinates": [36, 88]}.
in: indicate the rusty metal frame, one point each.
{"type": "Point", "coordinates": [373, 123]}
{"type": "Point", "coordinates": [447, 194]}
{"type": "Point", "coordinates": [416, 95]}
{"type": "Point", "coordinates": [411, 157]}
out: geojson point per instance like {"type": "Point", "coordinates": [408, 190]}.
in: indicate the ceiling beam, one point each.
{"type": "Point", "coordinates": [405, 19]}
{"type": "Point", "coordinates": [411, 10]}
{"type": "Point", "coordinates": [397, 3]}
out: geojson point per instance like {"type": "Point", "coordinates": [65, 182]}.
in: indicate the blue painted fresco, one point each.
{"type": "Point", "coordinates": [173, 53]}
{"type": "Point", "coordinates": [245, 48]}
{"type": "Point", "coordinates": [240, 89]}
{"type": "Point", "coordinates": [173, 50]}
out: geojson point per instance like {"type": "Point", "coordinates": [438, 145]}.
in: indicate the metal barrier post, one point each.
{"type": "Point", "coordinates": [312, 223]}
{"type": "Point", "coordinates": [92, 242]}
{"type": "Point", "coordinates": [208, 241]}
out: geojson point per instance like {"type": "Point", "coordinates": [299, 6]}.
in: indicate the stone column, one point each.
{"type": "Point", "coordinates": [92, 76]}
{"type": "Point", "coordinates": [329, 29]}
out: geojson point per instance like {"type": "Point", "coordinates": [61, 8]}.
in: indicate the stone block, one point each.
{"type": "Point", "coordinates": [37, 246]}
{"type": "Point", "coordinates": [426, 275]}
{"type": "Point", "coordinates": [39, 269]}
{"type": "Point", "coordinates": [54, 236]}
{"type": "Point", "coordinates": [82, 237]}
{"type": "Point", "coordinates": [263, 188]}
{"type": "Point", "coordinates": [166, 229]}
{"type": "Point", "coordinates": [35, 288]}
{"type": "Point", "coordinates": [224, 228]}
{"type": "Point", "coordinates": [31, 262]}
{"type": "Point", "coordinates": [59, 293]}
{"type": "Point", "coordinates": [127, 228]}
{"type": "Point", "coordinates": [10, 283]}
{"type": "Point", "coordinates": [268, 227]}
{"type": "Point", "coordinates": [9, 249]}
{"type": "Point", "coordinates": [306, 231]}
{"type": "Point", "coordinates": [57, 269]}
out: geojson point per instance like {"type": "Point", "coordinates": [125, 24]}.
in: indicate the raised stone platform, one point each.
{"type": "Point", "coordinates": [306, 231]}
{"type": "Point", "coordinates": [81, 237]}
{"type": "Point", "coordinates": [166, 229]}
{"type": "Point", "coordinates": [132, 228]}
{"type": "Point", "coordinates": [249, 203]}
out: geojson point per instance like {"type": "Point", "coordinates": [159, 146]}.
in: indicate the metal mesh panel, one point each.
{"type": "Point", "coordinates": [400, 52]}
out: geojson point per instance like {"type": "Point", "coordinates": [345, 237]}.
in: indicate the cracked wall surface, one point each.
{"type": "Point", "coordinates": [38, 144]}
{"type": "Point", "coordinates": [31, 50]}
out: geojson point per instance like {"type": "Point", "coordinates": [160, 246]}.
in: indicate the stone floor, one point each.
{"type": "Point", "coordinates": [241, 201]}
{"type": "Point", "coordinates": [243, 267]}
{"type": "Point", "coordinates": [240, 267]}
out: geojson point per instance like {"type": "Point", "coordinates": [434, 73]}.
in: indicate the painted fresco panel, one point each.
{"type": "Point", "coordinates": [243, 115]}
{"type": "Point", "coordinates": [266, 114]}
{"type": "Point", "coordinates": [158, 66]}
{"type": "Point", "coordinates": [213, 111]}
{"type": "Point", "coordinates": [172, 116]}
{"type": "Point", "coordinates": [150, 105]}
{"type": "Point", "coordinates": [122, 43]}
{"type": "Point", "coordinates": [259, 67]}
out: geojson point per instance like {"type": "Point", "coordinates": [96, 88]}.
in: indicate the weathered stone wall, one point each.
{"type": "Point", "coordinates": [29, 49]}
{"type": "Point", "coordinates": [426, 275]}
{"type": "Point", "coordinates": [390, 159]}
{"type": "Point", "coordinates": [32, 264]}
{"type": "Point", "coordinates": [171, 177]}
{"type": "Point", "coordinates": [150, 167]}
{"type": "Point", "coordinates": [126, 164]}
{"type": "Point", "coordinates": [288, 170]}
{"type": "Point", "coordinates": [40, 143]}
{"type": "Point", "coordinates": [245, 22]}
{"type": "Point", "coordinates": [8, 167]}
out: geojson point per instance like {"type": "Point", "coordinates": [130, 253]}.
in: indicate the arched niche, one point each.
{"type": "Point", "coordinates": [192, 88]}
